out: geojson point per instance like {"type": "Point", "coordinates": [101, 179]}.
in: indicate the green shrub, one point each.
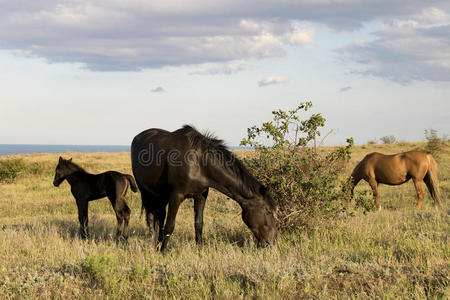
{"type": "Point", "coordinates": [388, 139]}
{"type": "Point", "coordinates": [364, 200]}
{"type": "Point", "coordinates": [102, 270]}
{"type": "Point", "coordinates": [11, 169]}
{"type": "Point", "coordinates": [434, 144]}
{"type": "Point", "coordinates": [305, 182]}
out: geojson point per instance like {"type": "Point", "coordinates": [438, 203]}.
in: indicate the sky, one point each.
{"type": "Point", "coordinates": [99, 72]}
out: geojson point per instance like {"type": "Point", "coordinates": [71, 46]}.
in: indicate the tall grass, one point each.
{"type": "Point", "coordinates": [396, 253]}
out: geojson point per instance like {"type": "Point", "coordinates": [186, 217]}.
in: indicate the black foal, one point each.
{"type": "Point", "coordinates": [86, 187]}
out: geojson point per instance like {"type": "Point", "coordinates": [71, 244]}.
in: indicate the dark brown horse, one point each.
{"type": "Point", "coordinates": [172, 166]}
{"type": "Point", "coordinates": [397, 169]}
{"type": "Point", "coordinates": [86, 187]}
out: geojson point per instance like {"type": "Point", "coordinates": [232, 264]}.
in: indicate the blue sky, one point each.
{"type": "Point", "coordinates": [83, 72]}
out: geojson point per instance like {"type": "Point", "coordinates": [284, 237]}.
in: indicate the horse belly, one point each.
{"type": "Point", "coordinates": [153, 180]}
{"type": "Point", "coordinates": [391, 176]}
{"type": "Point", "coordinates": [187, 179]}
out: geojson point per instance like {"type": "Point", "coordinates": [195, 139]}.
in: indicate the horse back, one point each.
{"type": "Point", "coordinates": [159, 161]}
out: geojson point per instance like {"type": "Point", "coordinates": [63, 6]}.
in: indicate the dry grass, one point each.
{"type": "Point", "coordinates": [396, 253]}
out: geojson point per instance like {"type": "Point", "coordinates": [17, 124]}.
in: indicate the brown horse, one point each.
{"type": "Point", "coordinates": [397, 169]}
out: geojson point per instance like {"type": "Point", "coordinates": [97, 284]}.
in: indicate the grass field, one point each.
{"type": "Point", "coordinates": [398, 252]}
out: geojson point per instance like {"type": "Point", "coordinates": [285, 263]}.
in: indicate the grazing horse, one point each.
{"type": "Point", "coordinates": [397, 169]}
{"type": "Point", "coordinates": [86, 187]}
{"type": "Point", "coordinates": [172, 166]}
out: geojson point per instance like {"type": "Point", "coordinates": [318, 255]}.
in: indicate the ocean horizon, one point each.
{"type": "Point", "coordinates": [13, 149]}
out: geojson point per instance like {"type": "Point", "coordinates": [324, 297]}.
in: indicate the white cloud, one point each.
{"type": "Point", "coordinates": [406, 50]}
{"type": "Point", "coordinates": [229, 68]}
{"type": "Point", "coordinates": [300, 36]}
{"type": "Point", "coordinates": [272, 80]}
{"type": "Point", "coordinates": [111, 35]}
{"type": "Point", "coordinates": [431, 15]}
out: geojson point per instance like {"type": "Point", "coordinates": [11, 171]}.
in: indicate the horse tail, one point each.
{"type": "Point", "coordinates": [132, 182]}
{"type": "Point", "coordinates": [432, 182]}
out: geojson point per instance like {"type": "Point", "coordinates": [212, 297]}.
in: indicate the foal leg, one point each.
{"type": "Point", "coordinates": [82, 205]}
{"type": "Point", "coordinates": [122, 215]}
{"type": "Point", "coordinates": [175, 200]}
{"type": "Point", "coordinates": [419, 191]}
{"type": "Point", "coordinates": [113, 200]}
{"type": "Point", "coordinates": [126, 219]}
{"type": "Point", "coordinates": [374, 185]}
{"type": "Point", "coordinates": [122, 210]}
{"type": "Point", "coordinates": [114, 192]}
{"type": "Point", "coordinates": [199, 205]}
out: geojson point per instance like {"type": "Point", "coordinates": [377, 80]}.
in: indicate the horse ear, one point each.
{"type": "Point", "coordinates": [70, 160]}
{"type": "Point", "coordinates": [60, 159]}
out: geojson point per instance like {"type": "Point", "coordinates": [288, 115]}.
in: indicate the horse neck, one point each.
{"type": "Point", "coordinates": [73, 176]}
{"type": "Point", "coordinates": [225, 180]}
{"type": "Point", "coordinates": [356, 174]}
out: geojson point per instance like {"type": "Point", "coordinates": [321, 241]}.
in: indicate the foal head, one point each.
{"type": "Point", "coordinates": [258, 216]}
{"type": "Point", "coordinates": [63, 169]}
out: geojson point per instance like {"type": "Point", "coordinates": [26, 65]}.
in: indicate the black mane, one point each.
{"type": "Point", "coordinates": [73, 166]}
{"type": "Point", "coordinates": [209, 143]}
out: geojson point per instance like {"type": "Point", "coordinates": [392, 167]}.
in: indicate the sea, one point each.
{"type": "Point", "coordinates": [7, 149]}
{"type": "Point", "coordinates": [11, 149]}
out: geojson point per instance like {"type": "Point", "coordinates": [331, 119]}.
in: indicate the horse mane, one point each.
{"type": "Point", "coordinates": [208, 142]}
{"type": "Point", "coordinates": [73, 166]}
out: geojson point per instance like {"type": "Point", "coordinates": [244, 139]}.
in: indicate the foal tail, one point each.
{"type": "Point", "coordinates": [132, 182]}
{"type": "Point", "coordinates": [432, 182]}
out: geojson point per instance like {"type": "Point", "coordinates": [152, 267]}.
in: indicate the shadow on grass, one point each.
{"type": "Point", "coordinates": [101, 231]}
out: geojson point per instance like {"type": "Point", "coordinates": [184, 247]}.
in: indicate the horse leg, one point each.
{"type": "Point", "coordinates": [122, 215]}
{"type": "Point", "coordinates": [419, 191]}
{"type": "Point", "coordinates": [114, 191]}
{"type": "Point", "coordinates": [126, 219]}
{"type": "Point", "coordinates": [161, 216]}
{"type": "Point", "coordinates": [374, 185]}
{"type": "Point", "coordinates": [148, 204]}
{"type": "Point", "coordinates": [113, 199]}
{"type": "Point", "coordinates": [122, 210]}
{"type": "Point", "coordinates": [82, 205]}
{"type": "Point", "coordinates": [199, 205]}
{"type": "Point", "coordinates": [175, 200]}
{"type": "Point", "coordinates": [150, 219]}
